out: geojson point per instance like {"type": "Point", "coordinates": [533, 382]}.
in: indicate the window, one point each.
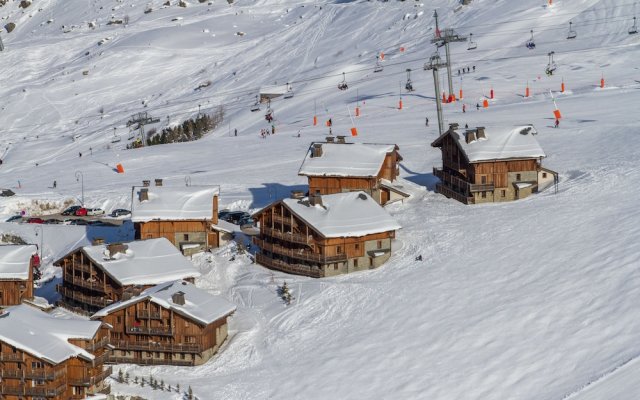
{"type": "Point", "coordinates": [484, 179]}
{"type": "Point", "coordinates": [182, 356]}
{"type": "Point", "coordinates": [518, 177]}
{"type": "Point", "coordinates": [379, 244]}
{"type": "Point", "coordinates": [190, 339]}
{"type": "Point", "coordinates": [119, 319]}
{"type": "Point", "coordinates": [357, 246]}
{"type": "Point", "coordinates": [355, 263]}
{"type": "Point", "coordinates": [36, 364]}
{"type": "Point", "coordinates": [503, 192]}
{"type": "Point", "coordinates": [185, 236]}
{"type": "Point", "coordinates": [484, 195]}
{"type": "Point", "coordinates": [339, 250]}
{"type": "Point", "coordinates": [335, 266]}
{"type": "Point", "coordinates": [544, 174]}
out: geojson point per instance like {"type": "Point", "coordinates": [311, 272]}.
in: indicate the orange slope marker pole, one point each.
{"type": "Point", "coordinates": [562, 86]}
{"type": "Point", "coordinates": [526, 90]}
{"type": "Point", "coordinates": [354, 130]}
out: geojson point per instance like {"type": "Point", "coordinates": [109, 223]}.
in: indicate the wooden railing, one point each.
{"type": "Point", "coordinates": [101, 359]}
{"type": "Point", "coordinates": [442, 189]}
{"type": "Point", "coordinates": [46, 375]}
{"type": "Point", "coordinates": [98, 345]}
{"type": "Point", "coordinates": [282, 219]}
{"type": "Point", "coordinates": [148, 314]}
{"type": "Point", "coordinates": [164, 347]}
{"type": "Point", "coordinates": [91, 300]}
{"type": "Point", "coordinates": [298, 254]}
{"type": "Point", "coordinates": [95, 285]}
{"type": "Point", "coordinates": [91, 380]}
{"type": "Point", "coordinates": [287, 236]}
{"type": "Point", "coordinates": [24, 390]}
{"type": "Point", "coordinates": [150, 361]}
{"type": "Point", "coordinates": [297, 269]}
{"type": "Point", "coordinates": [143, 330]}
{"type": "Point", "coordinates": [79, 267]}
{"type": "Point", "coordinates": [11, 356]}
{"type": "Point", "coordinates": [104, 389]}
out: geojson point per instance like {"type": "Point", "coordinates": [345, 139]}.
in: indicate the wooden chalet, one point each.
{"type": "Point", "coordinates": [16, 273]}
{"type": "Point", "coordinates": [173, 323]}
{"type": "Point", "coordinates": [322, 236]}
{"type": "Point", "coordinates": [94, 277]}
{"type": "Point", "coordinates": [43, 357]}
{"type": "Point", "coordinates": [187, 216]}
{"type": "Point", "coordinates": [480, 166]}
{"type": "Point", "coordinates": [338, 167]}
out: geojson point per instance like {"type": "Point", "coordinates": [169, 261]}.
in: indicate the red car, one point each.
{"type": "Point", "coordinates": [35, 220]}
{"type": "Point", "coordinates": [81, 212]}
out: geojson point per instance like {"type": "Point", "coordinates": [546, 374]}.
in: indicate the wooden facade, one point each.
{"type": "Point", "coordinates": [487, 181]}
{"type": "Point", "coordinates": [26, 376]}
{"type": "Point", "coordinates": [289, 244]}
{"type": "Point", "coordinates": [146, 333]}
{"type": "Point", "coordinates": [87, 288]}
{"type": "Point", "coordinates": [14, 290]}
{"type": "Point", "coordinates": [324, 184]}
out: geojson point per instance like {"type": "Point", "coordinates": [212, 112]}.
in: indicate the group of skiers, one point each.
{"type": "Point", "coordinates": [266, 132]}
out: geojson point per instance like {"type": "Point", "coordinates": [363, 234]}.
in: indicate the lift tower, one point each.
{"type": "Point", "coordinates": [434, 64]}
{"type": "Point", "coordinates": [443, 38]}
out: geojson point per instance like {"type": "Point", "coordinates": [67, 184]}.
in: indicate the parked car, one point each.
{"type": "Point", "coordinates": [78, 222]}
{"type": "Point", "coordinates": [35, 220]}
{"type": "Point", "coordinates": [52, 221]}
{"type": "Point", "coordinates": [246, 221]}
{"type": "Point", "coordinates": [235, 216]}
{"type": "Point", "coordinates": [15, 218]}
{"type": "Point", "coordinates": [6, 192]}
{"type": "Point", "coordinates": [120, 212]}
{"type": "Point", "coordinates": [71, 210]}
{"type": "Point", "coordinates": [223, 214]}
{"type": "Point", "coordinates": [95, 211]}
{"type": "Point", "coordinates": [81, 212]}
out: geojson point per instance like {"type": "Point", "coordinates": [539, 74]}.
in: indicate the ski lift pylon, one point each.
{"type": "Point", "coordinates": [634, 28]}
{"type": "Point", "coordinates": [530, 43]}
{"type": "Point", "coordinates": [472, 44]}
{"type": "Point", "coordinates": [409, 84]}
{"type": "Point", "coordinates": [343, 85]}
{"type": "Point", "coordinates": [572, 34]}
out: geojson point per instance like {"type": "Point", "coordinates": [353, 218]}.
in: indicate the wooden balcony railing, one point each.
{"type": "Point", "coordinates": [287, 236]}
{"type": "Point", "coordinates": [96, 301]}
{"type": "Point", "coordinates": [164, 347]}
{"type": "Point", "coordinates": [442, 189]}
{"type": "Point", "coordinates": [150, 361]}
{"type": "Point", "coordinates": [11, 356]}
{"type": "Point", "coordinates": [101, 359]}
{"type": "Point", "coordinates": [32, 374]}
{"type": "Point", "coordinates": [98, 345]}
{"type": "Point", "coordinates": [79, 267]}
{"type": "Point", "coordinates": [143, 330]}
{"type": "Point", "coordinates": [298, 269]}
{"type": "Point", "coordinates": [298, 254]}
{"type": "Point", "coordinates": [91, 380]}
{"type": "Point", "coordinates": [93, 285]}
{"type": "Point", "coordinates": [24, 390]}
{"type": "Point", "coordinates": [146, 314]}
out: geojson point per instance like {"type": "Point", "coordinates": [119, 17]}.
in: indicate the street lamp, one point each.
{"type": "Point", "coordinates": [80, 178]}
{"type": "Point", "coordinates": [41, 238]}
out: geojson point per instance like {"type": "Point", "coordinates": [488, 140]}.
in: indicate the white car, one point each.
{"type": "Point", "coordinates": [95, 211]}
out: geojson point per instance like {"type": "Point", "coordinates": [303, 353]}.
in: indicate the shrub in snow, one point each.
{"type": "Point", "coordinates": [9, 27]}
{"type": "Point", "coordinates": [25, 3]}
{"type": "Point", "coordinates": [182, 3]}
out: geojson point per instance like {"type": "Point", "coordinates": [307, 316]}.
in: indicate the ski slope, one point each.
{"type": "Point", "coordinates": [535, 299]}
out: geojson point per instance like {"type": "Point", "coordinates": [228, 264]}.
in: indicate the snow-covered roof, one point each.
{"type": "Point", "coordinates": [174, 203]}
{"type": "Point", "coordinates": [346, 159]}
{"type": "Point", "coordinates": [500, 143]}
{"type": "Point", "coordinates": [349, 214]}
{"type": "Point", "coordinates": [199, 304]}
{"type": "Point", "coordinates": [15, 261]}
{"type": "Point", "coordinates": [43, 335]}
{"type": "Point", "coordinates": [145, 262]}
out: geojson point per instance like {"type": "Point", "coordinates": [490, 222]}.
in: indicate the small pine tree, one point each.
{"type": "Point", "coordinates": [120, 376]}
{"type": "Point", "coordinates": [143, 382]}
{"type": "Point", "coordinates": [169, 388]}
{"type": "Point", "coordinates": [177, 388]}
{"type": "Point", "coordinates": [161, 384]}
{"type": "Point", "coordinates": [135, 380]}
{"type": "Point", "coordinates": [190, 393]}
{"type": "Point", "coordinates": [126, 377]}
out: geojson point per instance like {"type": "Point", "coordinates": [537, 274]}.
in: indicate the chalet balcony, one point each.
{"type": "Point", "coordinates": [287, 236]}
{"type": "Point", "coordinates": [97, 345]}
{"type": "Point", "coordinates": [24, 390]}
{"type": "Point", "coordinates": [143, 330]}
{"type": "Point", "coordinates": [105, 389]}
{"type": "Point", "coordinates": [163, 347]}
{"type": "Point", "coordinates": [283, 219]}
{"type": "Point", "coordinates": [298, 254]}
{"type": "Point", "coordinates": [297, 269]}
{"type": "Point", "coordinates": [146, 314]}
{"type": "Point", "coordinates": [79, 267]}
{"type": "Point", "coordinates": [460, 185]}
{"type": "Point", "coordinates": [150, 361]}
{"type": "Point", "coordinates": [101, 359]}
{"type": "Point", "coordinates": [85, 283]}
{"type": "Point", "coordinates": [96, 301]}
{"type": "Point", "coordinates": [33, 374]}
{"type": "Point", "coordinates": [452, 194]}
{"type": "Point", "coordinates": [91, 380]}
{"type": "Point", "coordinates": [12, 357]}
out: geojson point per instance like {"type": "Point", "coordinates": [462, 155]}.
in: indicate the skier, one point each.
{"type": "Point", "coordinates": [273, 129]}
{"type": "Point", "coordinates": [477, 106]}
{"type": "Point", "coordinates": [79, 154]}
{"type": "Point", "coordinates": [464, 108]}
{"type": "Point", "coordinates": [235, 132]}
{"type": "Point", "coordinates": [427, 121]}
{"type": "Point", "coordinates": [474, 68]}
{"type": "Point", "coordinates": [55, 184]}
{"type": "Point", "coordinates": [557, 122]}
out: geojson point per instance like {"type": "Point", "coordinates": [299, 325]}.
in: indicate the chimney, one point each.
{"type": "Point", "coordinates": [297, 194]}
{"type": "Point", "coordinates": [143, 194]}
{"type": "Point", "coordinates": [146, 183]}
{"type": "Point", "coordinates": [330, 139]}
{"type": "Point", "coordinates": [470, 136]}
{"type": "Point", "coordinates": [315, 199]}
{"type": "Point", "coordinates": [341, 140]}
{"type": "Point", "coordinates": [158, 182]}
{"type": "Point", "coordinates": [115, 248]}
{"type": "Point", "coordinates": [480, 132]}
{"type": "Point", "coordinates": [97, 241]}
{"type": "Point", "coordinates": [316, 151]}
{"type": "Point", "coordinates": [178, 298]}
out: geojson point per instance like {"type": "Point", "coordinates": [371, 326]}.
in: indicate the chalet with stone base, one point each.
{"type": "Point", "coordinates": [187, 216]}
{"type": "Point", "coordinates": [94, 277]}
{"type": "Point", "coordinates": [322, 236]}
{"type": "Point", "coordinates": [501, 164]}
{"type": "Point", "coordinates": [173, 323]}
{"type": "Point", "coordinates": [43, 357]}
{"type": "Point", "coordinates": [338, 167]}
{"type": "Point", "coordinates": [16, 273]}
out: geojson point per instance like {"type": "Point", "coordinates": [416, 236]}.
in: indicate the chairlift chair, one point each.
{"type": "Point", "coordinates": [378, 67]}
{"type": "Point", "coordinates": [634, 28]}
{"type": "Point", "coordinates": [115, 139]}
{"type": "Point", "coordinates": [256, 106]}
{"type": "Point", "coordinates": [551, 66]}
{"type": "Point", "coordinates": [530, 43]}
{"type": "Point", "coordinates": [409, 84]}
{"type": "Point", "coordinates": [572, 34]}
{"type": "Point", "coordinates": [343, 85]}
{"type": "Point", "coordinates": [269, 114]}
{"type": "Point", "coordinates": [132, 135]}
{"type": "Point", "coordinates": [472, 44]}
{"type": "Point", "coordinates": [289, 93]}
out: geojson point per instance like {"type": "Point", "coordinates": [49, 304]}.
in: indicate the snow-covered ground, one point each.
{"type": "Point", "coordinates": [535, 299]}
